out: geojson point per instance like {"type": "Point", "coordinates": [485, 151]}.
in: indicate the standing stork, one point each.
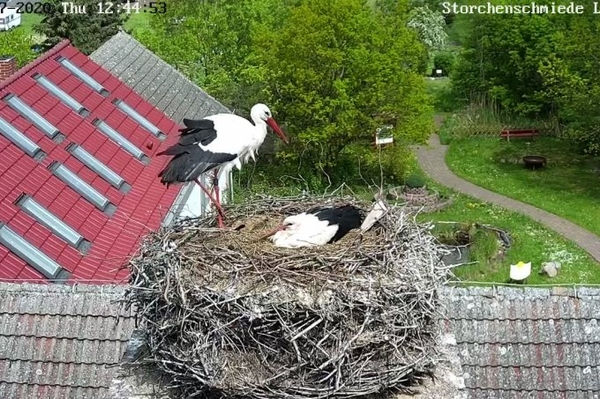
{"type": "Point", "coordinates": [315, 227]}
{"type": "Point", "coordinates": [218, 143]}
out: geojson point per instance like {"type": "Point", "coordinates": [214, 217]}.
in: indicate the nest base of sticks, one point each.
{"type": "Point", "coordinates": [227, 316]}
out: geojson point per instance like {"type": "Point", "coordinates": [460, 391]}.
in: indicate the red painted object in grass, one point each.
{"type": "Point", "coordinates": [519, 133]}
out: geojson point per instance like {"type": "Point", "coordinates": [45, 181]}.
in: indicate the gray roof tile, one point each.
{"type": "Point", "coordinates": [526, 342]}
{"type": "Point", "coordinates": [155, 80]}
{"type": "Point", "coordinates": [60, 341]}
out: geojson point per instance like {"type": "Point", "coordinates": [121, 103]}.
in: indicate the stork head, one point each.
{"type": "Point", "coordinates": [260, 112]}
{"type": "Point", "coordinates": [288, 226]}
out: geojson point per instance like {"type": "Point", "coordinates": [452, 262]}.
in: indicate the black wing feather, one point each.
{"type": "Point", "coordinates": [197, 131]}
{"type": "Point", "coordinates": [347, 217]}
{"type": "Point", "coordinates": [189, 162]}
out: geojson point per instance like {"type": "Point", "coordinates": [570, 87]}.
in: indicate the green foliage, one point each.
{"type": "Point", "coordinates": [415, 181]}
{"type": "Point", "coordinates": [86, 31]}
{"type": "Point", "coordinates": [501, 59]}
{"type": "Point", "coordinates": [459, 28]}
{"type": "Point", "coordinates": [484, 245]}
{"type": "Point", "coordinates": [447, 129]}
{"type": "Point", "coordinates": [445, 61]}
{"type": "Point", "coordinates": [440, 91]}
{"type": "Point", "coordinates": [19, 44]}
{"type": "Point", "coordinates": [138, 25]}
{"type": "Point", "coordinates": [536, 66]}
{"type": "Point", "coordinates": [572, 83]}
{"type": "Point", "coordinates": [331, 72]}
{"type": "Point", "coordinates": [430, 26]}
{"type": "Point", "coordinates": [336, 72]}
{"type": "Point", "coordinates": [212, 43]}
{"type": "Point", "coordinates": [586, 135]}
{"type": "Point", "coordinates": [454, 234]}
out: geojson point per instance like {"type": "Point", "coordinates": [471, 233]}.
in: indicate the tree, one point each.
{"type": "Point", "coordinates": [211, 42]}
{"type": "Point", "coordinates": [501, 59]}
{"type": "Point", "coordinates": [536, 66]}
{"type": "Point", "coordinates": [86, 30]}
{"type": "Point", "coordinates": [444, 61]}
{"type": "Point", "coordinates": [571, 82]}
{"type": "Point", "coordinates": [18, 44]}
{"type": "Point", "coordinates": [331, 73]}
{"type": "Point", "coordinates": [430, 26]}
{"type": "Point", "coordinates": [336, 71]}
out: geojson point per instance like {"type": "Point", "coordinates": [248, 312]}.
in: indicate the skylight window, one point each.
{"type": "Point", "coordinates": [28, 113]}
{"type": "Point", "coordinates": [20, 140]}
{"type": "Point", "coordinates": [83, 188]}
{"type": "Point", "coordinates": [139, 119]}
{"type": "Point", "coordinates": [97, 166]}
{"type": "Point", "coordinates": [120, 140]}
{"type": "Point", "coordinates": [49, 220]}
{"type": "Point", "coordinates": [62, 96]}
{"type": "Point", "coordinates": [29, 253]}
{"type": "Point", "coordinates": [87, 79]}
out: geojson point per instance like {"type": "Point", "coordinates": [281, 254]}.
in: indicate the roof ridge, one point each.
{"type": "Point", "coordinates": [56, 362]}
{"type": "Point", "coordinates": [61, 289]}
{"type": "Point", "coordinates": [125, 338]}
{"type": "Point", "coordinates": [22, 71]}
{"type": "Point", "coordinates": [130, 37]}
{"type": "Point", "coordinates": [574, 290]}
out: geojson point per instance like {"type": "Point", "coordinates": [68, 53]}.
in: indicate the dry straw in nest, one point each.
{"type": "Point", "coordinates": [227, 316]}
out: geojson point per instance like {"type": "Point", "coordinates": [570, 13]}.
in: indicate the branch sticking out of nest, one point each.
{"type": "Point", "coordinates": [228, 316]}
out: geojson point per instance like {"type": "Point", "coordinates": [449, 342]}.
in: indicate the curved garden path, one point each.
{"type": "Point", "coordinates": [432, 160]}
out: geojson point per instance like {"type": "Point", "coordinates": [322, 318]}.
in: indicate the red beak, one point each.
{"type": "Point", "coordinates": [270, 233]}
{"type": "Point", "coordinates": [271, 122]}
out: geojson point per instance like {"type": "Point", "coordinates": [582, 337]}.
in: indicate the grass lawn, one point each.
{"type": "Point", "coordinates": [532, 242]}
{"type": "Point", "coordinates": [137, 22]}
{"type": "Point", "coordinates": [28, 21]}
{"type": "Point", "coordinates": [569, 186]}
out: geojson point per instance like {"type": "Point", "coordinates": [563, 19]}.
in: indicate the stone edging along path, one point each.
{"type": "Point", "coordinates": [432, 160]}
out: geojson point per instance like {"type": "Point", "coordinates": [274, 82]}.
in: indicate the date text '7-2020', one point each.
{"type": "Point", "coordinates": [29, 8]}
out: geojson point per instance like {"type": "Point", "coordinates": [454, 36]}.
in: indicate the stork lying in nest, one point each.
{"type": "Point", "coordinates": [315, 227]}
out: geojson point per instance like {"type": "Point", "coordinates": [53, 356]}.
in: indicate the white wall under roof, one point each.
{"type": "Point", "coordinates": [192, 202]}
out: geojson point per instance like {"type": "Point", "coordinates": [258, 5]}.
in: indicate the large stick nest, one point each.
{"type": "Point", "coordinates": [227, 316]}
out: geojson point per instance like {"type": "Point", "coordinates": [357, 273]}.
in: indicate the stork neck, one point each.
{"type": "Point", "coordinates": [260, 127]}
{"type": "Point", "coordinates": [258, 121]}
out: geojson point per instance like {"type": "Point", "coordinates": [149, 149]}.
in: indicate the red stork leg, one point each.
{"type": "Point", "coordinates": [220, 212]}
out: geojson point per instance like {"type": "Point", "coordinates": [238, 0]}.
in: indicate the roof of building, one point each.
{"type": "Point", "coordinates": [164, 87]}
{"type": "Point", "coordinates": [526, 342]}
{"type": "Point", "coordinates": [155, 80]}
{"type": "Point", "coordinates": [78, 170]}
{"type": "Point", "coordinates": [60, 341]}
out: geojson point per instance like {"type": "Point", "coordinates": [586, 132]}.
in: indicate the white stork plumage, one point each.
{"type": "Point", "coordinates": [315, 227]}
{"type": "Point", "coordinates": [219, 143]}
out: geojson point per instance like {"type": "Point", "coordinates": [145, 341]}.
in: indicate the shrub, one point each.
{"type": "Point", "coordinates": [446, 130]}
{"type": "Point", "coordinates": [484, 245]}
{"type": "Point", "coordinates": [444, 61]}
{"type": "Point", "coordinates": [415, 181]}
{"type": "Point", "coordinates": [586, 136]}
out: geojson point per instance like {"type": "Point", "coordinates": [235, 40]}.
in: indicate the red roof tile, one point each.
{"type": "Point", "coordinates": [114, 238]}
